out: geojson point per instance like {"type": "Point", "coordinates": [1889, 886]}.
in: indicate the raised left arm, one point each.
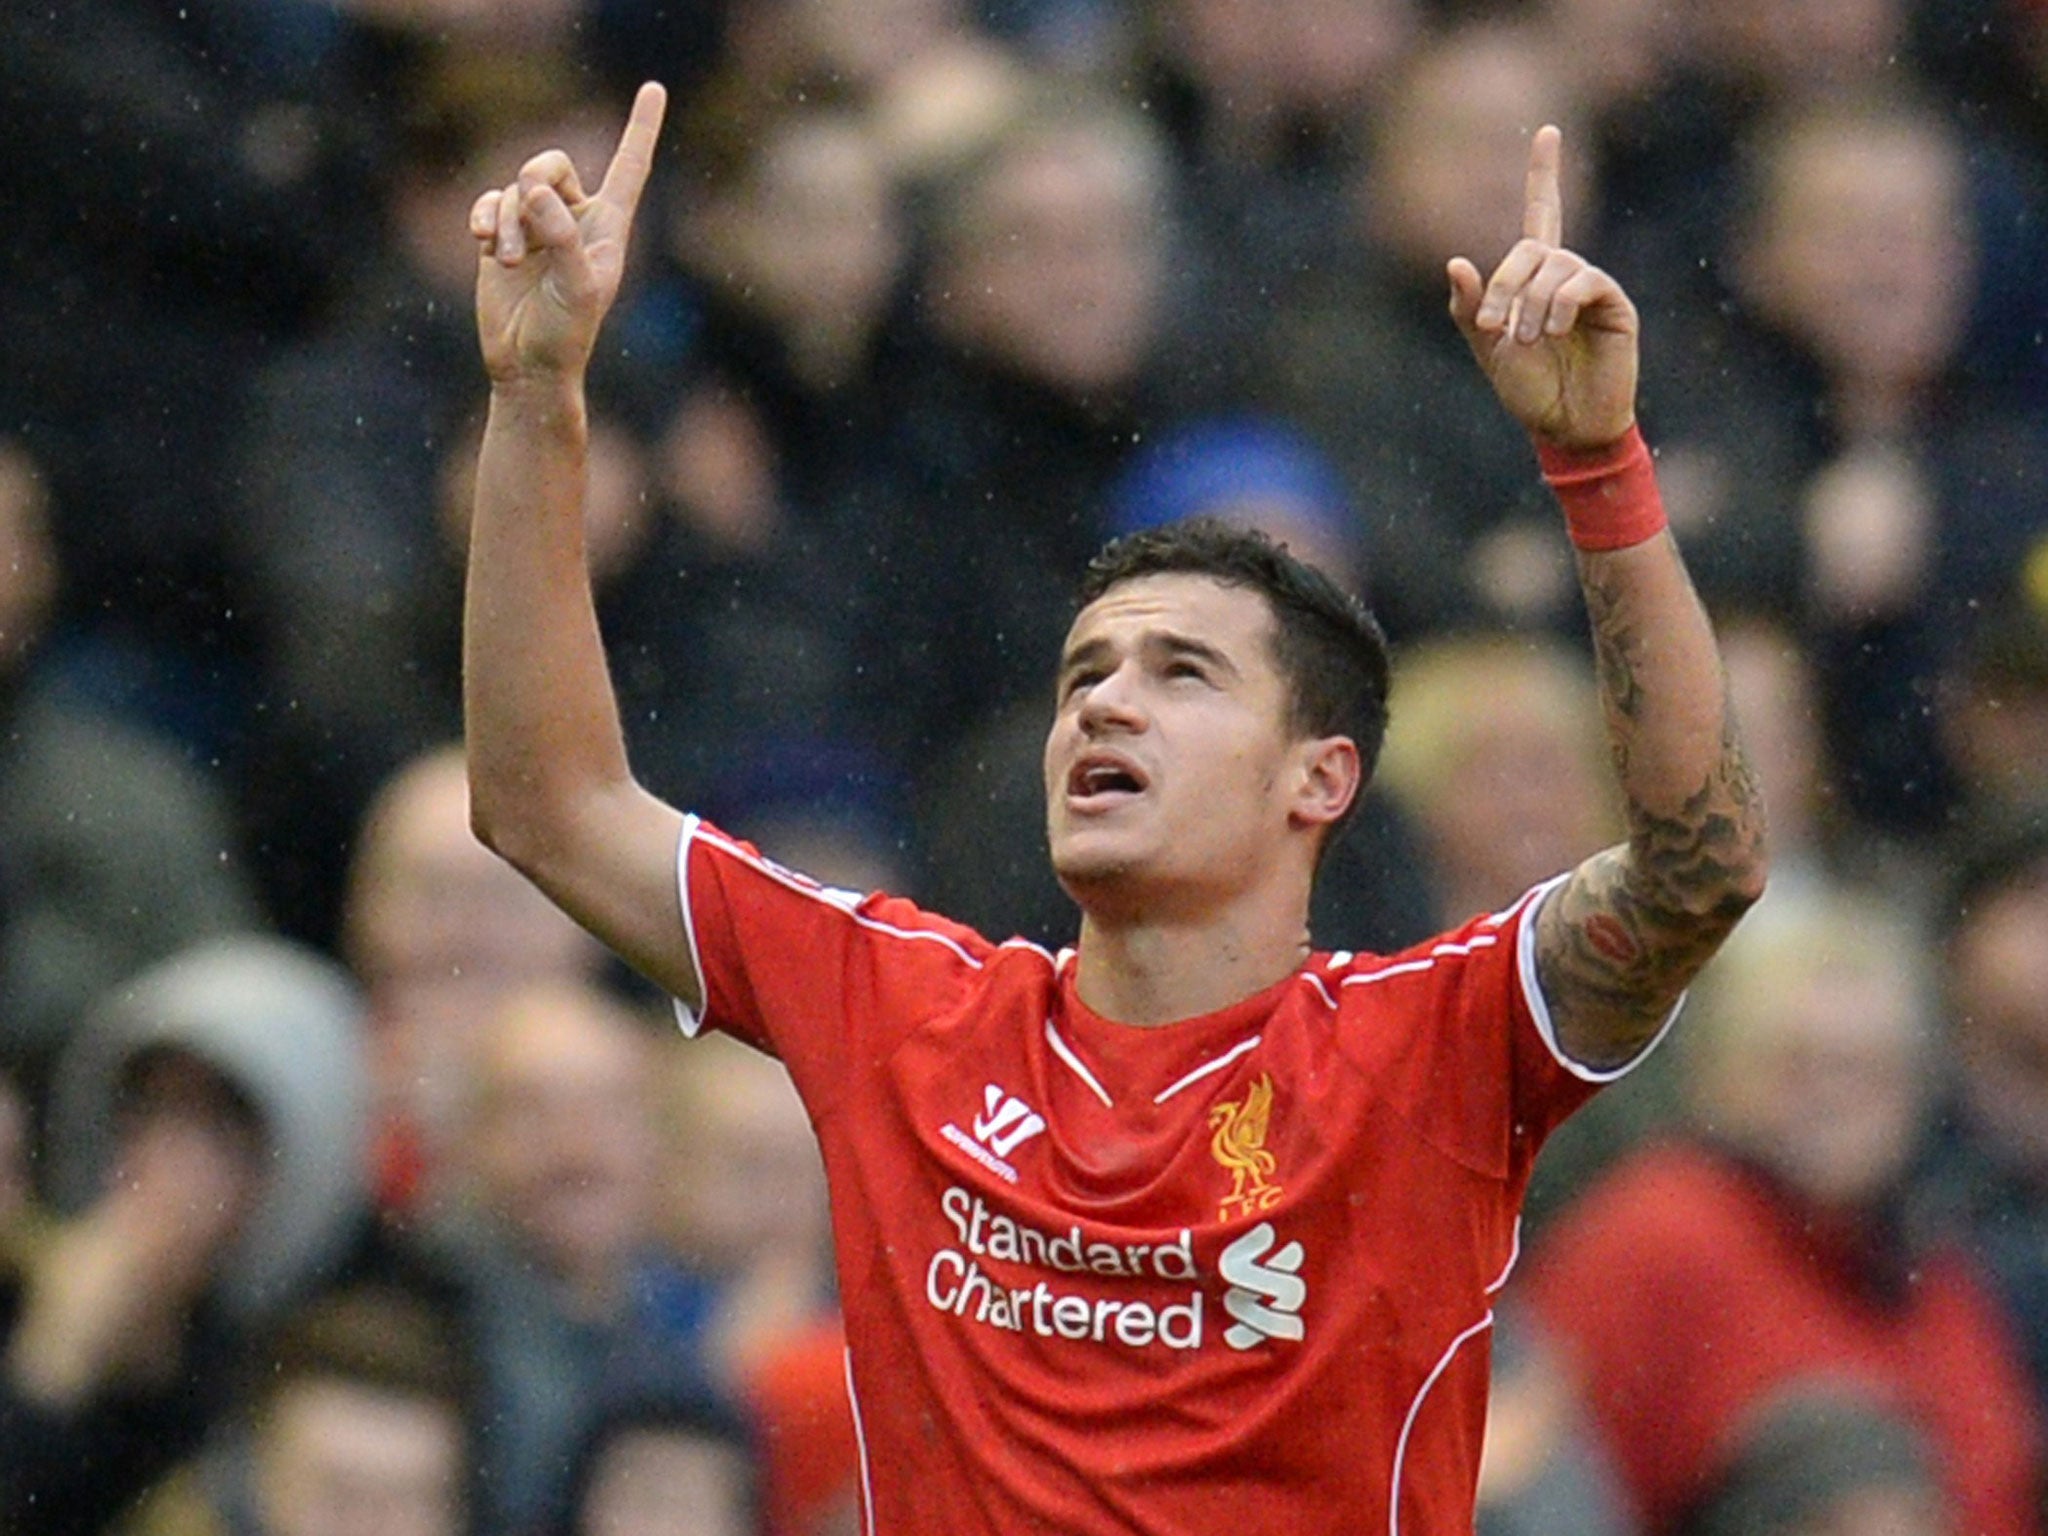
{"type": "Point", "coordinates": [1631, 927]}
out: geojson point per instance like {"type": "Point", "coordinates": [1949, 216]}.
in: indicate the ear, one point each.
{"type": "Point", "coordinates": [1328, 778]}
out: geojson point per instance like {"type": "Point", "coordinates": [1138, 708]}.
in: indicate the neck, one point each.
{"type": "Point", "coordinates": [590, 1287]}
{"type": "Point", "coordinates": [1153, 972]}
{"type": "Point", "coordinates": [1876, 407]}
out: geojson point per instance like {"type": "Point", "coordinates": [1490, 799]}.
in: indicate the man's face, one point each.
{"type": "Point", "coordinates": [1447, 180]}
{"type": "Point", "coordinates": [1061, 279]}
{"type": "Point", "coordinates": [190, 1166]}
{"type": "Point", "coordinates": [565, 1133]}
{"type": "Point", "coordinates": [1831, 1082]}
{"type": "Point", "coordinates": [1998, 984]}
{"type": "Point", "coordinates": [1842, 195]}
{"type": "Point", "coordinates": [340, 1458]}
{"type": "Point", "coordinates": [1170, 770]}
{"type": "Point", "coordinates": [653, 1481]}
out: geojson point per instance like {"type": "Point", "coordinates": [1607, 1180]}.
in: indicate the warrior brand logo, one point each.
{"type": "Point", "coordinates": [1239, 1144]}
{"type": "Point", "coordinates": [1265, 1294]}
{"type": "Point", "coordinates": [1005, 1123]}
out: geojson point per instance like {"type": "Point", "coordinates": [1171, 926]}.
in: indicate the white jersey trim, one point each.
{"type": "Point", "coordinates": [1415, 1409]}
{"type": "Point", "coordinates": [690, 1019]}
{"type": "Point", "coordinates": [1514, 1257]}
{"type": "Point", "coordinates": [1207, 1067]}
{"type": "Point", "coordinates": [1539, 1005]}
{"type": "Point", "coordinates": [1065, 1052]}
{"type": "Point", "coordinates": [860, 1444]}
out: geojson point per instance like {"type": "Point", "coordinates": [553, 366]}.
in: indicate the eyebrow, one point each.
{"type": "Point", "coordinates": [1167, 641]}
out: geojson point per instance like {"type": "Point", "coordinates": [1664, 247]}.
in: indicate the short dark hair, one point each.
{"type": "Point", "coordinates": [1329, 648]}
{"type": "Point", "coordinates": [376, 1335]}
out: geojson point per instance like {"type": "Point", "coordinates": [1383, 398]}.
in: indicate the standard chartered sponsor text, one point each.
{"type": "Point", "coordinates": [957, 1283]}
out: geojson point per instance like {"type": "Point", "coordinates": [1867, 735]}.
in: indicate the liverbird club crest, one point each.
{"type": "Point", "coordinates": [1239, 1145]}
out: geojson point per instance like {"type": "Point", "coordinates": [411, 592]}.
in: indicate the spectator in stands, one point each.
{"type": "Point", "coordinates": [1502, 797]}
{"type": "Point", "coordinates": [548, 1223]}
{"type": "Point", "coordinates": [1772, 685]}
{"type": "Point", "coordinates": [663, 1457]}
{"type": "Point", "coordinates": [1263, 103]}
{"type": "Point", "coordinates": [1703, 1276]}
{"type": "Point", "coordinates": [1356, 351]}
{"type": "Point", "coordinates": [744, 1209]}
{"type": "Point", "coordinates": [1994, 700]}
{"type": "Point", "coordinates": [789, 49]}
{"type": "Point", "coordinates": [1774, 682]}
{"type": "Point", "coordinates": [1865, 483]}
{"type": "Point", "coordinates": [113, 852]}
{"type": "Point", "coordinates": [773, 423]}
{"type": "Point", "coordinates": [339, 454]}
{"type": "Point", "coordinates": [1822, 1459]}
{"type": "Point", "coordinates": [167, 173]}
{"type": "Point", "coordinates": [206, 1140]}
{"type": "Point", "coordinates": [1771, 50]}
{"type": "Point", "coordinates": [1990, 1182]}
{"type": "Point", "coordinates": [1727, 69]}
{"type": "Point", "coordinates": [745, 1206]}
{"type": "Point", "coordinates": [352, 1425]}
{"type": "Point", "coordinates": [545, 30]}
{"type": "Point", "coordinates": [17, 1184]}
{"type": "Point", "coordinates": [439, 932]}
{"type": "Point", "coordinates": [788, 247]}
{"type": "Point", "coordinates": [1542, 1471]}
{"type": "Point", "coordinates": [1047, 349]}
{"type": "Point", "coordinates": [1506, 795]}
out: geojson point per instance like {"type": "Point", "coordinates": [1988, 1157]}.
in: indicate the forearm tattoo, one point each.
{"type": "Point", "coordinates": [1623, 937]}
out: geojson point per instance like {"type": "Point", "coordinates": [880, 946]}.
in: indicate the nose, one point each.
{"type": "Point", "coordinates": [1112, 703]}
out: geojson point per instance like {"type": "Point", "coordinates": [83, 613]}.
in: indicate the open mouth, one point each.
{"type": "Point", "coordinates": [1101, 780]}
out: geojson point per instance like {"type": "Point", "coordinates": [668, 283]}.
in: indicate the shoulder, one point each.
{"type": "Point", "coordinates": [743, 870]}
{"type": "Point", "coordinates": [1488, 944]}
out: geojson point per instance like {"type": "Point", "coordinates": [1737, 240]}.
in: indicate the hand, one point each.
{"type": "Point", "coordinates": [549, 258]}
{"type": "Point", "coordinates": [109, 1294]}
{"type": "Point", "coordinates": [1555, 335]}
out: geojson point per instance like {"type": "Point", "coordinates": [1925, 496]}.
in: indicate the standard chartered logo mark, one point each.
{"type": "Point", "coordinates": [1106, 1291]}
{"type": "Point", "coordinates": [1265, 1294]}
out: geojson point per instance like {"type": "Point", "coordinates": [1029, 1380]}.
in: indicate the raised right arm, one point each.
{"type": "Point", "coordinates": [550, 789]}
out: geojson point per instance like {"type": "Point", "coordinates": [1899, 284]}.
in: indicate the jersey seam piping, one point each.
{"type": "Point", "coordinates": [690, 1020]}
{"type": "Point", "coordinates": [860, 1442]}
{"type": "Point", "coordinates": [1415, 1411]}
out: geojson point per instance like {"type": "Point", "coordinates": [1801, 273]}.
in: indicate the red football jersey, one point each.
{"type": "Point", "coordinates": [1231, 1274]}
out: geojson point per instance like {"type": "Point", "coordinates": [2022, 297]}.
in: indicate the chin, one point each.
{"type": "Point", "coordinates": [1091, 873]}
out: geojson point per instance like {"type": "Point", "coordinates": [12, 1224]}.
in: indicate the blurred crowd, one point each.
{"type": "Point", "coordinates": [345, 1187]}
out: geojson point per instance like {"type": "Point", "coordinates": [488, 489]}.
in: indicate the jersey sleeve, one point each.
{"type": "Point", "coordinates": [1469, 1051]}
{"type": "Point", "coordinates": [820, 978]}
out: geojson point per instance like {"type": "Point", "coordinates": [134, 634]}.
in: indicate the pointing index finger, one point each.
{"type": "Point", "coordinates": [1543, 202]}
{"type": "Point", "coordinates": [627, 175]}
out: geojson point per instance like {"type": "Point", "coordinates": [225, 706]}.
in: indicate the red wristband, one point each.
{"type": "Point", "coordinates": [1609, 494]}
